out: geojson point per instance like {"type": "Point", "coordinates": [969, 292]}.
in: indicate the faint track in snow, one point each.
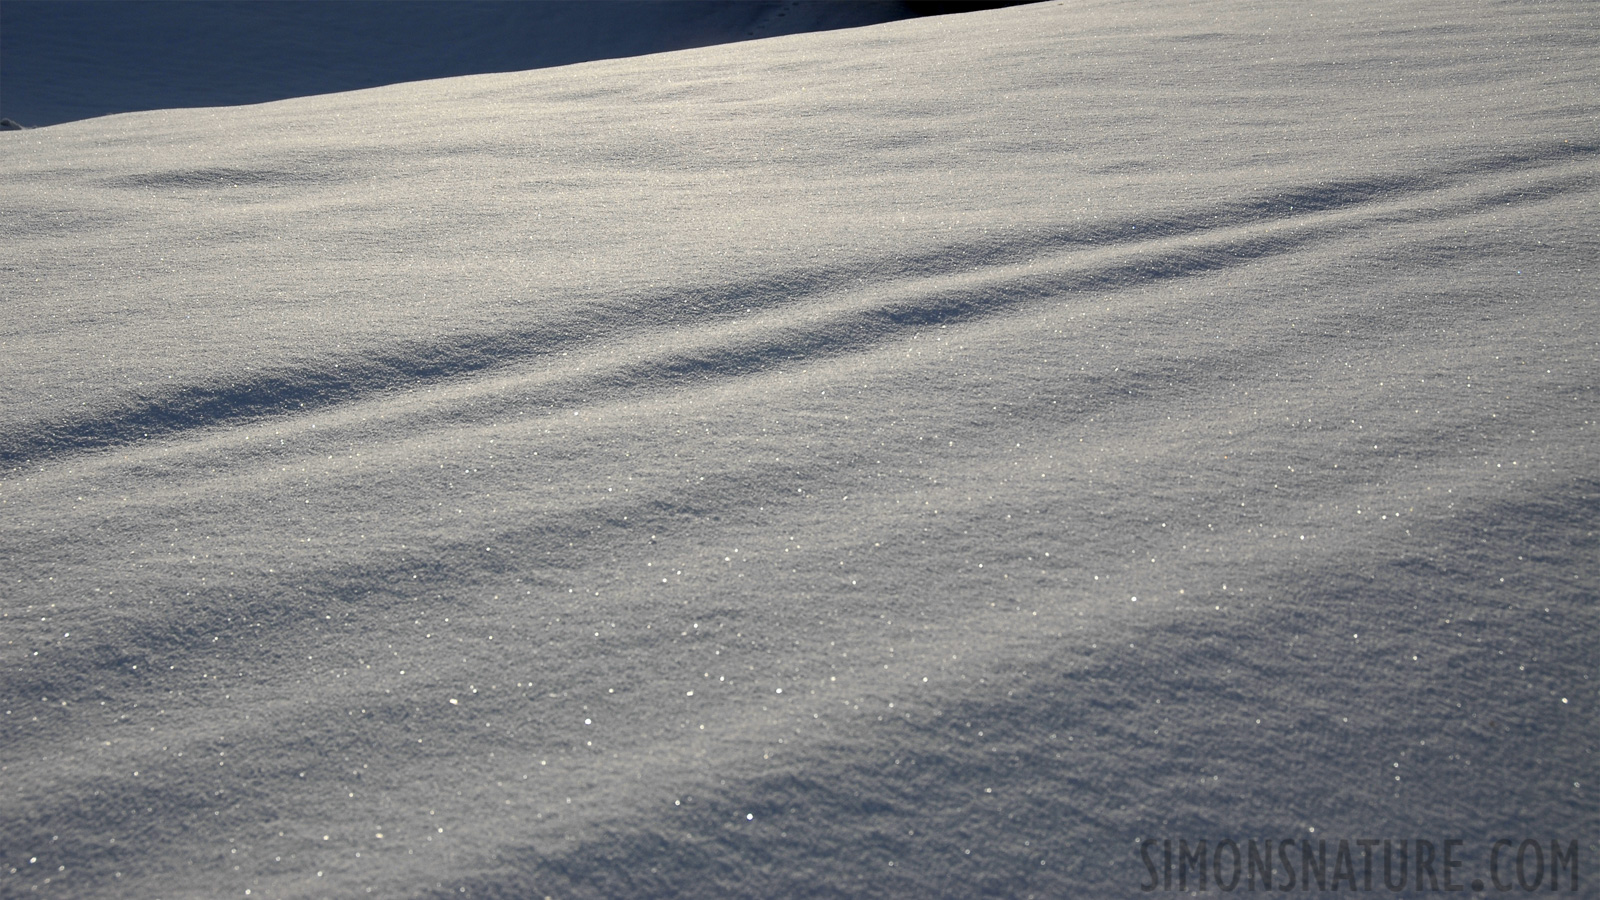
{"type": "Point", "coordinates": [729, 330]}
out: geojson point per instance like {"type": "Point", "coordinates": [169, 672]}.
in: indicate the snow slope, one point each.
{"type": "Point", "coordinates": [918, 460]}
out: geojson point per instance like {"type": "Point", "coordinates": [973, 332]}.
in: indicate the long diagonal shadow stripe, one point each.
{"type": "Point", "coordinates": [734, 329]}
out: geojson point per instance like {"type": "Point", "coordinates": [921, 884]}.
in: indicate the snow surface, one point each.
{"type": "Point", "coordinates": [916, 460]}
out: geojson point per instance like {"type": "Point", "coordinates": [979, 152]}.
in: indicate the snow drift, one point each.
{"type": "Point", "coordinates": [919, 460]}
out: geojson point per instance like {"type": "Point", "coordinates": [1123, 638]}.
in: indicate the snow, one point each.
{"type": "Point", "coordinates": [373, 463]}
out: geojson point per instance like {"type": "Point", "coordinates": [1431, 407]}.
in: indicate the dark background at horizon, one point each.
{"type": "Point", "coordinates": [66, 61]}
